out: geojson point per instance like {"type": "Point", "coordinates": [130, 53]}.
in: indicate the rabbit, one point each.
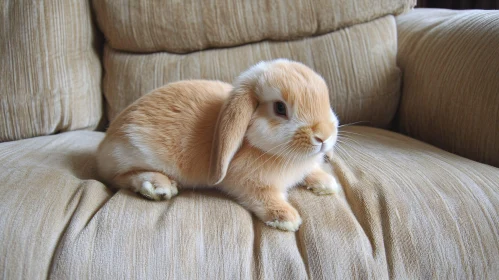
{"type": "Point", "coordinates": [254, 140]}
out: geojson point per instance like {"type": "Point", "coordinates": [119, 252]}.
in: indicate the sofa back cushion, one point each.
{"type": "Point", "coordinates": [50, 73]}
{"type": "Point", "coordinates": [152, 45]}
{"type": "Point", "coordinates": [192, 25]}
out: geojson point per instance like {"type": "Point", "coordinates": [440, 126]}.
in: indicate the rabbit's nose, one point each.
{"type": "Point", "coordinates": [321, 132]}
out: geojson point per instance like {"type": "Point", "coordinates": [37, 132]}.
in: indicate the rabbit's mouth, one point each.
{"type": "Point", "coordinates": [321, 148]}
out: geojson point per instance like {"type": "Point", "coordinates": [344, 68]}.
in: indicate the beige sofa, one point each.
{"type": "Point", "coordinates": [419, 176]}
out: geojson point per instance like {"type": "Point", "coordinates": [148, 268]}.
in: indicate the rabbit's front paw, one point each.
{"type": "Point", "coordinates": [286, 218]}
{"type": "Point", "coordinates": [322, 185]}
{"type": "Point", "coordinates": [159, 190]}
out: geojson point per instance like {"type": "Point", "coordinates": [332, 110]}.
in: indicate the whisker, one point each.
{"type": "Point", "coordinates": [343, 154]}
{"type": "Point", "coordinates": [343, 140]}
{"type": "Point", "coordinates": [267, 152]}
{"type": "Point", "coordinates": [344, 134]}
{"type": "Point", "coordinates": [257, 143]}
{"type": "Point", "coordinates": [288, 161]}
{"type": "Point", "coordinates": [274, 155]}
{"type": "Point", "coordinates": [347, 139]}
{"type": "Point", "coordinates": [350, 132]}
{"type": "Point", "coordinates": [354, 123]}
{"type": "Point", "coordinates": [346, 144]}
{"type": "Point", "coordinates": [351, 137]}
{"type": "Point", "coordinates": [282, 154]}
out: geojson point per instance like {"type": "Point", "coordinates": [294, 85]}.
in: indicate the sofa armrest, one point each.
{"type": "Point", "coordinates": [450, 64]}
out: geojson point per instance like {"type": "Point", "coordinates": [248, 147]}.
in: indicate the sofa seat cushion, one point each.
{"type": "Point", "coordinates": [46, 192]}
{"type": "Point", "coordinates": [406, 210]}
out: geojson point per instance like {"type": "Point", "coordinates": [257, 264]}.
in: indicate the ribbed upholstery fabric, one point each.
{"type": "Point", "coordinates": [185, 26]}
{"type": "Point", "coordinates": [46, 191]}
{"type": "Point", "coordinates": [358, 64]}
{"type": "Point", "coordinates": [450, 61]}
{"type": "Point", "coordinates": [50, 73]}
{"type": "Point", "coordinates": [407, 210]}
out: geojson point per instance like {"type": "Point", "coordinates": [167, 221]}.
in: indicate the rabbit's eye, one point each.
{"type": "Point", "coordinates": [280, 109]}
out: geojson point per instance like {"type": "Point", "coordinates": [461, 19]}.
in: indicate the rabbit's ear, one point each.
{"type": "Point", "coordinates": [232, 123]}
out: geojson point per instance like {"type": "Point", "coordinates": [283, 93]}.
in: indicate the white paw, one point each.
{"type": "Point", "coordinates": [325, 187]}
{"type": "Point", "coordinates": [285, 225]}
{"type": "Point", "coordinates": [156, 192]}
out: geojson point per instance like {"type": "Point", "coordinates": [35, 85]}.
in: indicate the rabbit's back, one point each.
{"type": "Point", "coordinates": [169, 130]}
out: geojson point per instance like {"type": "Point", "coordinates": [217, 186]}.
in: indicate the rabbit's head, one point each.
{"type": "Point", "coordinates": [281, 107]}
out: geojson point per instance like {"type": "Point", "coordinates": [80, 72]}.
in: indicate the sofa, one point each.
{"type": "Point", "coordinates": [417, 95]}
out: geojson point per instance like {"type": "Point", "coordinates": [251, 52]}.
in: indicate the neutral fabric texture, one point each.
{"type": "Point", "coordinates": [450, 61]}
{"type": "Point", "coordinates": [45, 187]}
{"type": "Point", "coordinates": [49, 68]}
{"type": "Point", "coordinates": [358, 64]}
{"type": "Point", "coordinates": [185, 26]}
{"type": "Point", "coordinates": [407, 211]}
